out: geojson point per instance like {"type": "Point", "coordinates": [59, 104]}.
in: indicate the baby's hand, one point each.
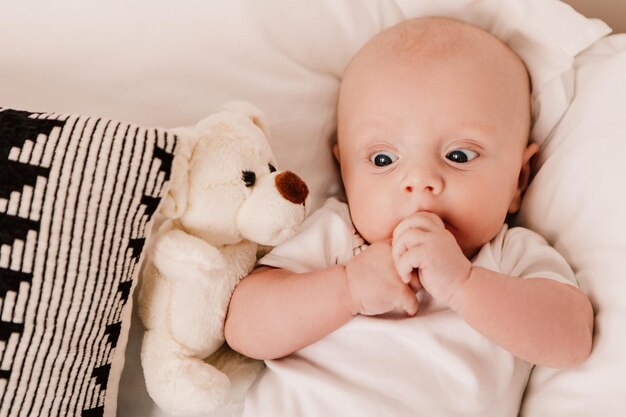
{"type": "Point", "coordinates": [375, 286]}
{"type": "Point", "coordinates": [424, 249]}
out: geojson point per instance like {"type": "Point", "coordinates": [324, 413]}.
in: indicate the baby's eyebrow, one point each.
{"type": "Point", "coordinates": [479, 127]}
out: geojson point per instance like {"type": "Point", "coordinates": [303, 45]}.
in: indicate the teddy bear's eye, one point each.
{"type": "Point", "coordinates": [249, 178]}
{"type": "Point", "coordinates": [272, 168]}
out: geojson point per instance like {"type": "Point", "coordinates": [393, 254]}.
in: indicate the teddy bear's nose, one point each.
{"type": "Point", "coordinates": [291, 187]}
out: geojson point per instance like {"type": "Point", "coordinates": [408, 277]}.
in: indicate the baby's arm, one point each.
{"type": "Point", "coordinates": [274, 312]}
{"type": "Point", "coordinates": [539, 320]}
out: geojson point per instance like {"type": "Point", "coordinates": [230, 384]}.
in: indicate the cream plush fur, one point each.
{"type": "Point", "coordinates": [225, 198]}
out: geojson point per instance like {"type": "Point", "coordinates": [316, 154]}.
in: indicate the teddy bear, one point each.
{"type": "Point", "coordinates": [225, 199]}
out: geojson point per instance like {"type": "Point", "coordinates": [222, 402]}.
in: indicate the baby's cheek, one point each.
{"type": "Point", "coordinates": [372, 210]}
{"type": "Point", "coordinates": [374, 227]}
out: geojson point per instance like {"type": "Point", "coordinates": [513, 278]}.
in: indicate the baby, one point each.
{"type": "Point", "coordinates": [418, 299]}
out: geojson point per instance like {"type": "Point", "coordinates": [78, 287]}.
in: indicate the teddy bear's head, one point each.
{"type": "Point", "coordinates": [225, 186]}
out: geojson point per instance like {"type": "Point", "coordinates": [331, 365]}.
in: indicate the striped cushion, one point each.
{"type": "Point", "coordinates": [77, 195]}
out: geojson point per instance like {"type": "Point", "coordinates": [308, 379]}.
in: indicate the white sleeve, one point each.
{"type": "Point", "coordinates": [324, 239]}
{"type": "Point", "coordinates": [526, 254]}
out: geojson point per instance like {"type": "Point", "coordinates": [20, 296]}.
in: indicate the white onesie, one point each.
{"type": "Point", "coordinates": [432, 365]}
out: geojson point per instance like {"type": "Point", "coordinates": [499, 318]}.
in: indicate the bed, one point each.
{"type": "Point", "coordinates": [170, 64]}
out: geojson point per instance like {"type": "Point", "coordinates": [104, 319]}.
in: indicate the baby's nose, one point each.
{"type": "Point", "coordinates": [291, 187]}
{"type": "Point", "coordinates": [423, 180]}
{"type": "Point", "coordinates": [410, 188]}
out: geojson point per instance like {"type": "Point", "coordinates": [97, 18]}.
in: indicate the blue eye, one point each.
{"type": "Point", "coordinates": [383, 158]}
{"type": "Point", "coordinates": [461, 156]}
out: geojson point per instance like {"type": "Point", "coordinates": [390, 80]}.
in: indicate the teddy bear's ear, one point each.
{"type": "Point", "coordinates": [175, 201]}
{"type": "Point", "coordinates": [250, 110]}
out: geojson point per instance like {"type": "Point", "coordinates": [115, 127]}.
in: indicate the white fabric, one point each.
{"type": "Point", "coordinates": [157, 62]}
{"type": "Point", "coordinates": [431, 365]}
{"type": "Point", "coordinates": [578, 201]}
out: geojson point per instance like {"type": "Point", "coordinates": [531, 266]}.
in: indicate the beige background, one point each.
{"type": "Point", "coordinates": [613, 12]}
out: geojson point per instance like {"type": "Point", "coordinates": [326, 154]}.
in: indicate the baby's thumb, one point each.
{"type": "Point", "coordinates": [411, 305]}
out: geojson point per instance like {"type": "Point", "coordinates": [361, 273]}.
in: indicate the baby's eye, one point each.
{"type": "Point", "coordinates": [461, 156]}
{"type": "Point", "coordinates": [383, 158]}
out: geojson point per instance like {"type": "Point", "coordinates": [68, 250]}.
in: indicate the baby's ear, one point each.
{"type": "Point", "coordinates": [528, 160]}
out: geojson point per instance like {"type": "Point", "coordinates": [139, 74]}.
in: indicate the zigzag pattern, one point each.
{"type": "Point", "coordinates": [76, 197]}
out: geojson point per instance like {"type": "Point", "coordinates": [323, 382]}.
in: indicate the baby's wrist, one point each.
{"type": "Point", "coordinates": [347, 297]}
{"type": "Point", "coordinates": [459, 293]}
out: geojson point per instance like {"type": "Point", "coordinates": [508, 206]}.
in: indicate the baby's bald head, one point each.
{"type": "Point", "coordinates": [440, 42]}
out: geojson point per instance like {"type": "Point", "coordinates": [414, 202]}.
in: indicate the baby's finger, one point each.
{"type": "Point", "coordinates": [407, 240]}
{"type": "Point", "coordinates": [415, 283]}
{"type": "Point", "coordinates": [411, 303]}
{"type": "Point", "coordinates": [404, 270]}
{"type": "Point", "coordinates": [421, 220]}
{"type": "Point", "coordinates": [415, 221]}
{"type": "Point", "coordinates": [434, 219]}
{"type": "Point", "coordinates": [408, 262]}
{"type": "Point", "coordinates": [411, 277]}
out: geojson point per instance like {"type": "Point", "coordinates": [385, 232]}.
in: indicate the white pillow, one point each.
{"type": "Point", "coordinates": [77, 198]}
{"type": "Point", "coordinates": [159, 64]}
{"type": "Point", "coordinates": [578, 202]}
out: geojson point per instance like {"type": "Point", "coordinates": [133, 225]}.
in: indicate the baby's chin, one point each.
{"type": "Point", "coordinates": [470, 253]}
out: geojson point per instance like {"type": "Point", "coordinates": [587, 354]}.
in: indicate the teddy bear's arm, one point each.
{"type": "Point", "coordinates": [180, 256]}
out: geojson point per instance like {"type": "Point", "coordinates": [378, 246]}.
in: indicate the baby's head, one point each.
{"type": "Point", "coordinates": [434, 115]}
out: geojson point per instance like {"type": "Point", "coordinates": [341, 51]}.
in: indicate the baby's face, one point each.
{"type": "Point", "coordinates": [446, 135]}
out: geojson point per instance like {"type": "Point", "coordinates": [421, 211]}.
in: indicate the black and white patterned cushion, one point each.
{"type": "Point", "coordinates": [76, 198]}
